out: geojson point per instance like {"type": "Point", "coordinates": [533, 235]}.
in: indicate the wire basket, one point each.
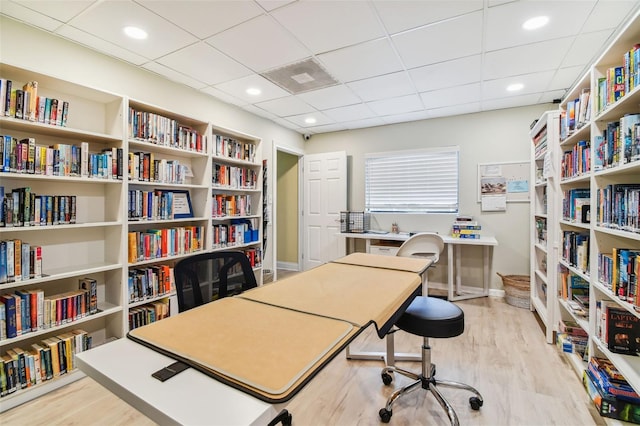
{"type": "Point", "coordinates": [517, 290]}
{"type": "Point", "coordinates": [356, 222]}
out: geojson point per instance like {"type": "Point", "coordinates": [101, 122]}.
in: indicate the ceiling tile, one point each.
{"type": "Point", "coordinates": [29, 16]}
{"type": "Point", "coordinates": [447, 74]}
{"type": "Point", "coordinates": [535, 57]}
{"type": "Point", "coordinates": [327, 25]}
{"type": "Point", "coordinates": [606, 14]}
{"type": "Point", "coordinates": [204, 63]}
{"type": "Point", "coordinates": [259, 111]}
{"type": "Point", "coordinates": [350, 113]}
{"type": "Point", "coordinates": [406, 14]}
{"type": "Point", "coordinates": [100, 45]}
{"type": "Point", "coordinates": [299, 120]}
{"type": "Point", "coordinates": [582, 50]}
{"type": "Point", "coordinates": [451, 96]}
{"type": "Point", "coordinates": [403, 118]}
{"type": "Point", "coordinates": [549, 97]}
{"type": "Point", "coordinates": [289, 105]}
{"type": "Point", "coordinates": [204, 18]}
{"type": "Point", "coordinates": [399, 105]}
{"type": "Point", "coordinates": [511, 102]}
{"type": "Point", "coordinates": [61, 10]}
{"type": "Point", "coordinates": [173, 75]}
{"type": "Point", "coordinates": [224, 96]}
{"type": "Point", "coordinates": [327, 128]}
{"type": "Point", "coordinates": [564, 78]}
{"type": "Point", "coordinates": [440, 42]}
{"type": "Point", "coordinates": [533, 83]}
{"type": "Point", "coordinates": [272, 4]}
{"type": "Point", "coordinates": [331, 97]}
{"type": "Point", "coordinates": [260, 44]}
{"type": "Point", "coordinates": [238, 88]}
{"type": "Point", "coordinates": [455, 110]}
{"type": "Point", "coordinates": [288, 124]}
{"type": "Point", "coordinates": [362, 61]}
{"type": "Point", "coordinates": [107, 19]}
{"type": "Point", "coordinates": [504, 23]}
{"type": "Point", "coordinates": [361, 124]}
{"type": "Point", "coordinates": [385, 86]}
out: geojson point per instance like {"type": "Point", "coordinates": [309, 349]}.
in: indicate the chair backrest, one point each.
{"type": "Point", "coordinates": [424, 244]}
{"type": "Point", "coordinates": [205, 277]}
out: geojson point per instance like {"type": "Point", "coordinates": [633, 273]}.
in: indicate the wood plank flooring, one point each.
{"type": "Point", "coordinates": [502, 353]}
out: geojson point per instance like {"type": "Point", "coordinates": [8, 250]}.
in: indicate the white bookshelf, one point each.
{"type": "Point", "coordinates": [97, 245]}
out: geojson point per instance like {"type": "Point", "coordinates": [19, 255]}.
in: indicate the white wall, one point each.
{"type": "Point", "coordinates": [32, 49]}
{"type": "Point", "coordinates": [495, 136]}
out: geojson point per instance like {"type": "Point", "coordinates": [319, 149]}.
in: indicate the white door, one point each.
{"type": "Point", "coordinates": [325, 196]}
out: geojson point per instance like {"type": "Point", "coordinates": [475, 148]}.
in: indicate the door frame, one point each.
{"type": "Point", "coordinates": [273, 205]}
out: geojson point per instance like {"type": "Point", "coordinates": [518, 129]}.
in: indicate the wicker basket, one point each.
{"type": "Point", "coordinates": [517, 290]}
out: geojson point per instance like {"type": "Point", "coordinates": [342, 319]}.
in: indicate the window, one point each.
{"type": "Point", "coordinates": [422, 181]}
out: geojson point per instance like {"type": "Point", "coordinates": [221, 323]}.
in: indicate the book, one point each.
{"type": "Point", "coordinates": [10, 314]}
{"type": "Point", "coordinates": [623, 328]}
{"type": "Point", "coordinates": [91, 287]}
{"type": "Point", "coordinates": [628, 124]}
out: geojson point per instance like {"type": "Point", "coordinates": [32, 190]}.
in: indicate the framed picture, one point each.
{"type": "Point", "coordinates": [181, 204]}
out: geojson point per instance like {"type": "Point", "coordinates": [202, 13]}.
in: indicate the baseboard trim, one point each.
{"type": "Point", "coordinates": [288, 266]}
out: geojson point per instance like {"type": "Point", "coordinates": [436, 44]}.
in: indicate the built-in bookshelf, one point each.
{"type": "Point", "coordinates": [119, 192]}
{"type": "Point", "coordinates": [236, 195]}
{"type": "Point", "coordinates": [70, 219]}
{"type": "Point", "coordinates": [544, 137]}
{"type": "Point", "coordinates": [598, 234]}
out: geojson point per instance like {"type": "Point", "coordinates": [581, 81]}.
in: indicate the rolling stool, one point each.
{"type": "Point", "coordinates": [429, 317]}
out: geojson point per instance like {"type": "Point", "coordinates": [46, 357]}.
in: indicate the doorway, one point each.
{"type": "Point", "coordinates": [287, 211]}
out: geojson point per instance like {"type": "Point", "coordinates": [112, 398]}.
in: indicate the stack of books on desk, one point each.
{"type": "Point", "coordinates": [465, 227]}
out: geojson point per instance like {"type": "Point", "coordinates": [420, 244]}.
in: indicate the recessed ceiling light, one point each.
{"type": "Point", "coordinates": [535, 23]}
{"type": "Point", "coordinates": [135, 32]}
{"type": "Point", "coordinates": [515, 87]}
{"type": "Point", "coordinates": [253, 91]}
{"type": "Point", "coordinates": [310, 120]}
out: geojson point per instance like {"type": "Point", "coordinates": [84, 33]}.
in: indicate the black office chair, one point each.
{"type": "Point", "coordinates": [205, 277]}
{"type": "Point", "coordinates": [428, 317]}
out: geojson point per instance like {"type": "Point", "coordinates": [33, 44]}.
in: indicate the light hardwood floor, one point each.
{"type": "Point", "coordinates": [502, 353]}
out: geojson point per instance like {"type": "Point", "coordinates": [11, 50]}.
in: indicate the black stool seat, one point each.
{"type": "Point", "coordinates": [432, 317]}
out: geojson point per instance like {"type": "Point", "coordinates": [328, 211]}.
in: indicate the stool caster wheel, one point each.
{"type": "Point", "coordinates": [475, 403]}
{"type": "Point", "coordinates": [385, 415]}
{"type": "Point", "coordinates": [386, 378]}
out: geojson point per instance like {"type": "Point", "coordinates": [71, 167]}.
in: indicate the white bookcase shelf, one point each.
{"type": "Point", "coordinates": [97, 244]}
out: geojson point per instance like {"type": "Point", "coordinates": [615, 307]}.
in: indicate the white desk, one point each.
{"type": "Point", "coordinates": [189, 398]}
{"type": "Point", "coordinates": [455, 289]}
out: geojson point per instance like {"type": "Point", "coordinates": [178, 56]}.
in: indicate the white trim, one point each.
{"type": "Point", "coordinates": [289, 266]}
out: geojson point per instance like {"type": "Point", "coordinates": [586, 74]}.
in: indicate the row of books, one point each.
{"type": "Point", "coordinates": [575, 249]}
{"type": "Point", "coordinates": [619, 143]}
{"type": "Point", "coordinates": [600, 389]}
{"type": "Point", "coordinates": [619, 80]}
{"type": "Point", "coordinates": [25, 156]}
{"type": "Point", "coordinates": [156, 204]}
{"type": "Point", "coordinates": [149, 313]}
{"type": "Point", "coordinates": [619, 207]}
{"type": "Point", "coordinates": [159, 130]}
{"type": "Point", "coordinates": [573, 344]}
{"type": "Point", "coordinates": [159, 243]}
{"type": "Point", "coordinates": [226, 205]}
{"type": "Point", "coordinates": [25, 104]}
{"type": "Point", "coordinates": [234, 177]}
{"type": "Point", "coordinates": [232, 148]}
{"type": "Point", "coordinates": [576, 205]}
{"type": "Point", "coordinates": [469, 229]}
{"type": "Point", "coordinates": [572, 285]}
{"type": "Point", "coordinates": [47, 360]}
{"type": "Point", "coordinates": [619, 271]}
{"type": "Point", "coordinates": [143, 167]}
{"type": "Point", "coordinates": [254, 255]}
{"type": "Point", "coordinates": [235, 233]}
{"type": "Point", "coordinates": [150, 282]}
{"type": "Point", "coordinates": [617, 328]}
{"type": "Point", "coordinates": [576, 114]}
{"type": "Point", "coordinates": [26, 311]}
{"type": "Point", "coordinates": [540, 143]}
{"type": "Point", "coordinates": [541, 230]}
{"type": "Point", "coordinates": [19, 261]}
{"type": "Point", "coordinates": [577, 161]}
{"type": "Point", "coordinates": [22, 207]}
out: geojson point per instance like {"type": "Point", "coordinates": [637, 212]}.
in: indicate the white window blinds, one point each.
{"type": "Point", "coordinates": [422, 181]}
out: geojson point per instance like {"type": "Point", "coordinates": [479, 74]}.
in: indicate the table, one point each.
{"type": "Point", "coordinates": [193, 397]}
{"type": "Point", "coordinates": [455, 289]}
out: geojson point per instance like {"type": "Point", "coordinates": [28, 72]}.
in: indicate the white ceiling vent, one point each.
{"type": "Point", "coordinates": [300, 77]}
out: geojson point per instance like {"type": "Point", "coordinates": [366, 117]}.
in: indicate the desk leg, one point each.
{"type": "Point", "coordinates": [458, 256]}
{"type": "Point", "coordinates": [487, 252]}
{"type": "Point", "coordinates": [450, 270]}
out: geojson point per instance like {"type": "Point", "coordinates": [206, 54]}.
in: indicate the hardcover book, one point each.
{"type": "Point", "coordinates": [623, 328]}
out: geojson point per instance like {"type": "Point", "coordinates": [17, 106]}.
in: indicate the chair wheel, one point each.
{"type": "Point", "coordinates": [385, 415]}
{"type": "Point", "coordinates": [386, 378]}
{"type": "Point", "coordinates": [475, 403]}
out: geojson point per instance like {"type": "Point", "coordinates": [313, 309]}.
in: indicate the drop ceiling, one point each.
{"type": "Point", "coordinates": [388, 61]}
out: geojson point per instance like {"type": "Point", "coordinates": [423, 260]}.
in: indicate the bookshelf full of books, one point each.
{"type": "Point", "coordinates": [61, 229]}
{"type": "Point", "coordinates": [99, 201]}
{"type": "Point", "coordinates": [236, 196]}
{"type": "Point", "coordinates": [544, 134]}
{"type": "Point", "coordinates": [599, 231]}
{"type": "Point", "coordinates": [167, 200]}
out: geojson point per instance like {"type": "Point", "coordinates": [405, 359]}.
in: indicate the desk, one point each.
{"type": "Point", "coordinates": [455, 290]}
{"type": "Point", "coordinates": [335, 294]}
